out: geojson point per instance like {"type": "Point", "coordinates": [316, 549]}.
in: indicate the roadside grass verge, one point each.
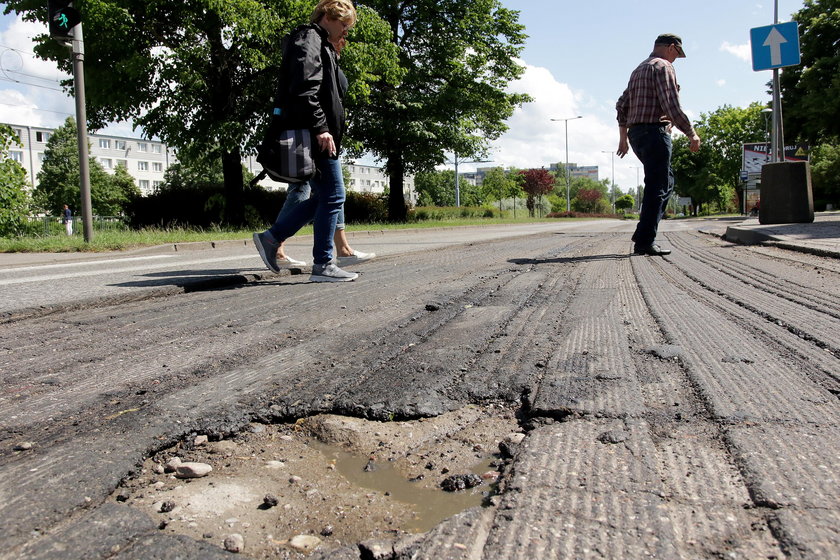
{"type": "Point", "coordinates": [119, 240]}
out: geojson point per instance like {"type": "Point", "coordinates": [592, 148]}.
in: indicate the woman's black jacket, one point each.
{"type": "Point", "coordinates": [310, 93]}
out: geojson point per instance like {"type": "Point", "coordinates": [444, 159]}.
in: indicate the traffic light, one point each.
{"type": "Point", "coordinates": [63, 18]}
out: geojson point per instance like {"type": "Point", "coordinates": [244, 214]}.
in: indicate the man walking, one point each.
{"type": "Point", "coordinates": [647, 110]}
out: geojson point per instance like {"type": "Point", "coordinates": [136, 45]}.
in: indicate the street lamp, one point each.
{"type": "Point", "coordinates": [457, 178]}
{"type": "Point", "coordinates": [568, 176]}
{"type": "Point", "coordinates": [612, 187]}
{"type": "Point", "coordinates": [638, 186]}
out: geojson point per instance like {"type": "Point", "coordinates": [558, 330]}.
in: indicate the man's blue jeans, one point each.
{"type": "Point", "coordinates": [322, 207]}
{"type": "Point", "coordinates": [652, 145]}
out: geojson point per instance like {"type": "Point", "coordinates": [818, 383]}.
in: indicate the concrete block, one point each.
{"type": "Point", "coordinates": [786, 196]}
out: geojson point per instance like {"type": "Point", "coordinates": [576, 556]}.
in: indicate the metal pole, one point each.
{"type": "Point", "coordinates": [568, 178]}
{"type": "Point", "coordinates": [457, 185]}
{"type": "Point", "coordinates": [777, 139]}
{"type": "Point", "coordinates": [81, 124]}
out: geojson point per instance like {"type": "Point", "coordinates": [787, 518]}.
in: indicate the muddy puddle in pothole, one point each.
{"type": "Point", "coordinates": [315, 473]}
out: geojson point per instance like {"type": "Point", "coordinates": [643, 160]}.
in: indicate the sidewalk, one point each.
{"type": "Point", "coordinates": [821, 237]}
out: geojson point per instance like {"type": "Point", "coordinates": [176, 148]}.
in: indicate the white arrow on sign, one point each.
{"type": "Point", "coordinates": [775, 40]}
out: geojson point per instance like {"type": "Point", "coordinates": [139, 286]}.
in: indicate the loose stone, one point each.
{"type": "Point", "coordinates": [172, 464]}
{"type": "Point", "coordinates": [270, 500]}
{"type": "Point", "coordinates": [460, 482]}
{"type": "Point", "coordinates": [304, 543]}
{"type": "Point", "coordinates": [200, 440]}
{"type": "Point", "coordinates": [23, 446]}
{"type": "Point", "coordinates": [234, 543]}
{"type": "Point", "coordinates": [193, 470]}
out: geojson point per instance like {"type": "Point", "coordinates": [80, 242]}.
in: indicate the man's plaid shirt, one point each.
{"type": "Point", "coordinates": [652, 96]}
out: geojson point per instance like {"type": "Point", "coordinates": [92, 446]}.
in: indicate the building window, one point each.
{"type": "Point", "coordinates": [42, 136]}
{"type": "Point", "coordinates": [142, 147]}
{"type": "Point", "coordinates": [119, 144]}
{"type": "Point", "coordinates": [106, 162]}
{"type": "Point", "coordinates": [144, 185]}
{"type": "Point", "coordinates": [16, 155]}
{"type": "Point", "coordinates": [142, 166]}
{"type": "Point", "coordinates": [156, 148]}
{"type": "Point", "coordinates": [19, 132]}
{"type": "Point", "coordinates": [123, 162]}
{"type": "Point", "coordinates": [156, 185]}
{"type": "Point", "coordinates": [41, 157]}
{"type": "Point", "coordinates": [157, 166]}
{"type": "Point", "coordinates": [104, 143]}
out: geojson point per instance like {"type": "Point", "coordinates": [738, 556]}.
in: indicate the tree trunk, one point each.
{"type": "Point", "coordinates": [397, 211]}
{"type": "Point", "coordinates": [234, 188]}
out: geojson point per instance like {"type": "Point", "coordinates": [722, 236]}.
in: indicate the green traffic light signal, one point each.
{"type": "Point", "coordinates": [63, 17]}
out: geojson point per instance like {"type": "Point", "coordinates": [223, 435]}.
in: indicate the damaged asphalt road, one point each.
{"type": "Point", "coordinates": [679, 407]}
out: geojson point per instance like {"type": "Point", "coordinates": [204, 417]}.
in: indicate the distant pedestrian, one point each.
{"type": "Point", "coordinates": [647, 110]}
{"type": "Point", "coordinates": [67, 220]}
{"type": "Point", "coordinates": [311, 96]}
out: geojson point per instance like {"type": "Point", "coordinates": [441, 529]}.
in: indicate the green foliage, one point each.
{"type": "Point", "coordinates": [440, 213]}
{"type": "Point", "coordinates": [624, 202]}
{"type": "Point", "coordinates": [590, 201]}
{"type": "Point", "coordinates": [59, 178]}
{"type": "Point", "coordinates": [811, 90]}
{"type": "Point", "coordinates": [499, 184]}
{"type": "Point", "coordinates": [198, 75]}
{"type": "Point", "coordinates": [825, 175]}
{"type": "Point", "coordinates": [14, 198]}
{"type": "Point", "coordinates": [712, 175]}
{"type": "Point", "coordinates": [458, 59]}
{"type": "Point", "coordinates": [435, 188]}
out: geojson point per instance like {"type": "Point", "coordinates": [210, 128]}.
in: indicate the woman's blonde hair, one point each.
{"type": "Point", "coordinates": [342, 10]}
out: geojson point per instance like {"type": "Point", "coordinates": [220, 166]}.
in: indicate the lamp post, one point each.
{"type": "Point", "coordinates": [638, 186]}
{"type": "Point", "coordinates": [612, 187]}
{"type": "Point", "coordinates": [457, 177]}
{"type": "Point", "coordinates": [568, 176]}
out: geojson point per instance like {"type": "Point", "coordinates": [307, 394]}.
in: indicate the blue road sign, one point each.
{"type": "Point", "coordinates": [774, 46]}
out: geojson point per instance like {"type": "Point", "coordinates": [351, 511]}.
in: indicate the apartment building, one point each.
{"type": "Point", "coordinates": [148, 160]}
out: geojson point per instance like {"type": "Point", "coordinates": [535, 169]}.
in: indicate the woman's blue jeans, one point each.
{"type": "Point", "coordinates": [297, 193]}
{"type": "Point", "coordinates": [652, 145]}
{"type": "Point", "coordinates": [322, 208]}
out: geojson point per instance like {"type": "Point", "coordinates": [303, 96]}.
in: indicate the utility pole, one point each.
{"type": "Point", "coordinates": [65, 23]}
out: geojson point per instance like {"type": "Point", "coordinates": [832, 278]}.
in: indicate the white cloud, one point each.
{"type": "Point", "coordinates": [534, 140]}
{"type": "Point", "coordinates": [740, 51]}
{"type": "Point", "coordinates": [720, 83]}
{"type": "Point", "coordinates": [31, 94]}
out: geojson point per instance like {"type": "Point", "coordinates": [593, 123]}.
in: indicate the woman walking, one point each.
{"type": "Point", "coordinates": [311, 94]}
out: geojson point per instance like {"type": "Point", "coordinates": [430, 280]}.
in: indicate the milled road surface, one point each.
{"type": "Point", "coordinates": [677, 407]}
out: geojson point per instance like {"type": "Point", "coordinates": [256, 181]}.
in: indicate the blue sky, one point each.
{"type": "Point", "coordinates": [578, 58]}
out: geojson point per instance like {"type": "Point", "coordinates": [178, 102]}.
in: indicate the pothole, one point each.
{"type": "Point", "coordinates": [340, 480]}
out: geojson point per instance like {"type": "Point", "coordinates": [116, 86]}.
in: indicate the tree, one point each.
{"type": "Point", "coordinates": [590, 201]}
{"type": "Point", "coordinates": [14, 199]}
{"type": "Point", "coordinates": [712, 175]}
{"type": "Point", "coordinates": [435, 188]}
{"type": "Point", "coordinates": [59, 178]}
{"type": "Point", "coordinates": [458, 59]}
{"type": "Point", "coordinates": [624, 202]}
{"type": "Point", "coordinates": [811, 90]}
{"type": "Point", "coordinates": [825, 174]}
{"type": "Point", "coordinates": [198, 75]}
{"type": "Point", "coordinates": [124, 183]}
{"type": "Point", "coordinates": [536, 183]}
{"type": "Point", "coordinates": [498, 184]}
